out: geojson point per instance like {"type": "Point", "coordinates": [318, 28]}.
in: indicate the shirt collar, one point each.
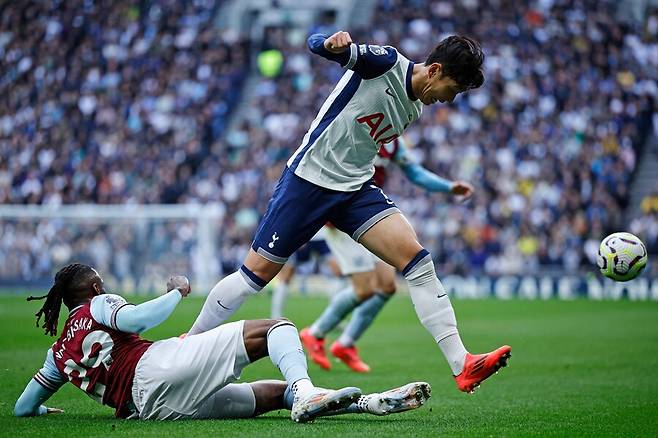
{"type": "Point", "coordinates": [75, 309]}
{"type": "Point", "coordinates": [410, 90]}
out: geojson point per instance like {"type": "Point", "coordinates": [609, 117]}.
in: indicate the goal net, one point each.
{"type": "Point", "coordinates": [134, 247]}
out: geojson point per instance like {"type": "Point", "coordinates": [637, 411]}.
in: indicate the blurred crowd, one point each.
{"type": "Point", "coordinates": [133, 255]}
{"type": "Point", "coordinates": [108, 102]}
{"type": "Point", "coordinates": [112, 101]}
{"type": "Point", "coordinates": [646, 225]}
{"type": "Point", "coordinates": [550, 142]}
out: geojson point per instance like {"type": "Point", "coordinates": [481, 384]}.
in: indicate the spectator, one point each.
{"type": "Point", "coordinates": [113, 103]}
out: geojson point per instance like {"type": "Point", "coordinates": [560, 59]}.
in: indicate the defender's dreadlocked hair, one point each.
{"type": "Point", "coordinates": [66, 279]}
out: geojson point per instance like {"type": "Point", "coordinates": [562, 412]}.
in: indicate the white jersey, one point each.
{"type": "Point", "coordinates": [371, 105]}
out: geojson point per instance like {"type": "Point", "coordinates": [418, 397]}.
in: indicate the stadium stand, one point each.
{"type": "Point", "coordinates": [551, 141]}
{"type": "Point", "coordinates": [112, 103]}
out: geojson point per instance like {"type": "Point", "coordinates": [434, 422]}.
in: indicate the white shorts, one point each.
{"type": "Point", "coordinates": [352, 257]}
{"type": "Point", "coordinates": [190, 377]}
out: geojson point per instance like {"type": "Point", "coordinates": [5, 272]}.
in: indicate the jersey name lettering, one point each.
{"type": "Point", "coordinates": [374, 121]}
{"type": "Point", "coordinates": [98, 359]}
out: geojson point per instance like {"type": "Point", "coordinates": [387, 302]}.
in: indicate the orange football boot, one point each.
{"type": "Point", "coordinates": [350, 357]}
{"type": "Point", "coordinates": [315, 348]}
{"type": "Point", "coordinates": [478, 367]}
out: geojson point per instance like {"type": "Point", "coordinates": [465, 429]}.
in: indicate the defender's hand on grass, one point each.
{"type": "Point", "coordinates": [181, 283]}
{"type": "Point", "coordinates": [462, 188]}
{"type": "Point", "coordinates": [338, 42]}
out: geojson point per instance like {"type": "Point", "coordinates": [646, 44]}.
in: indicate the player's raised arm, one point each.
{"type": "Point", "coordinates": [40, 388]}
{"type": "Point", "coordinates": [334, 48]}
{"type": "Point", "coordinates": [430, 181]}
{"type": "Point", "coordinates": [113, 311]}
{"type": "Point", "coordinates": [369, 61]}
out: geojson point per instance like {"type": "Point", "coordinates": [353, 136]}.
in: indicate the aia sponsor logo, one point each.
{"type": "Point", "coordinates": [379, 131]}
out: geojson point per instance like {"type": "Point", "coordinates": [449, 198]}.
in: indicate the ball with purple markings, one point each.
{"type": "Point", "coordinates": [622, 256]}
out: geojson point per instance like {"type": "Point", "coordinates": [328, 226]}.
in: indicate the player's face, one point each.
{"type": "Point", "coordinates": [440, 87]}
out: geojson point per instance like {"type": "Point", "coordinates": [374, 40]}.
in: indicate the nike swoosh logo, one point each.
{"type": "Point", "coordinates": [389, 92]}
{"type": "Point", "coordinates": [221, 305]}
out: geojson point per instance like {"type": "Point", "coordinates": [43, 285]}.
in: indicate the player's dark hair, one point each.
{"type": "Point", "coordinates": [461, 58]}
{"type": "Point", "coordinates": [67, 279]}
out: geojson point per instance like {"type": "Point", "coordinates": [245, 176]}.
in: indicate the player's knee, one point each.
{"type": "Point", "coordinates": [364, 284]}
{"type": "Point", "coordinates": [421, 259]}
{"type": "Point", "coordinates": [260, 328]}
{"type": "Point", "coordinates": [278, 322]}
{"type": "Point", "coordinates": [389, 287]}
{"type": "Point", "coordinates": [262, 269]}
{"type": "Point", "coordinates": [282, 321]}
{"type": "Point", "coordinates": [363, 292]}
{"type": "Point", "coordinates": [255, 334]}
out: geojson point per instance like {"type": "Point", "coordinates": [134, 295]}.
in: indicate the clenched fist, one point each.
{"type": "Point", "coordinates": [181, 283]}
{"type": "Point", "coordinates": [462, 188]}
{"type": "Point", "coordinates": [338, 42]}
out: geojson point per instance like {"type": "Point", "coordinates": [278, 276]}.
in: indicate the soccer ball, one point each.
{"type": "Point", "coordinates": [622, 256]}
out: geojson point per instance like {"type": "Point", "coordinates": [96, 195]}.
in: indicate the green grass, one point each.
{"type": "Point", "coordinates": [578, 368]}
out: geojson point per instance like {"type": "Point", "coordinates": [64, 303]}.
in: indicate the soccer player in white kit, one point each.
{"type": "Point", "coordinates": [100, 352]}
{"type": "Point", "coordinates": [372, 281]}
{"type": "Point", "coordinates": [329, 179]}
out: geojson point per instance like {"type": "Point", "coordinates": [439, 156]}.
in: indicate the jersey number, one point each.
{"type": "Point", "coordinates": [91, 358]}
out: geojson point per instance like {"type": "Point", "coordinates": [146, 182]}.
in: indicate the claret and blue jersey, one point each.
{"type": "Point", "coordinates": [98, 351]}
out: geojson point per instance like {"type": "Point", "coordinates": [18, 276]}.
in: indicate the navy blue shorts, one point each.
{"type": "Point", "coordinates": [299, 208]}
{"type": "Point", "coordinates": [305, 253]}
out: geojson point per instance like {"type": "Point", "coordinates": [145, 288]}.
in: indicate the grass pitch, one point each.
{"type": "Point", "coordinates": [579, 368]}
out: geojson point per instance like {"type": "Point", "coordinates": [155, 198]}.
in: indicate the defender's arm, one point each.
{"type": "Point", "coordinates": [417, 174]}
{"type": "Point", "coordinates": [113, 311]}
{"type": "Point", "coordinates": [42, 386]}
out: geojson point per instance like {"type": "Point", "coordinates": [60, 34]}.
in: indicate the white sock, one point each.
{"type": "Point", "coordinates": [223, 300]}
{"type": "Point", "coordinates": [454, 352]}
{"type": "Point", "coordinates": [279, 295]}
{"type": "Point", "coordinates": [286, 353]}
{"type": "Point", "coordinates": [434, 310]}
{"type": "Point", "coordinates": [302, 387]}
